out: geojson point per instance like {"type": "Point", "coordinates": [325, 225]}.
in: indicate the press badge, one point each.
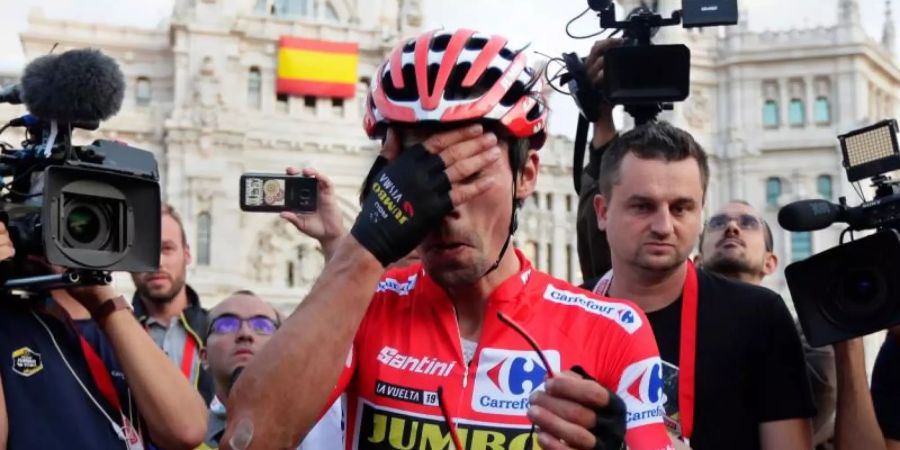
{"type": "Point", "coordinates": [130, 435]}
{"type": "Point", "coordinates": [670, 390]}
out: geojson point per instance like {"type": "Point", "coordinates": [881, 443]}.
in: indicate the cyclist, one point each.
{"type": "Point", "coordinates": [428, 360]}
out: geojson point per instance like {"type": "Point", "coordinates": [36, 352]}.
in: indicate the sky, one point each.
{"type": "Point", "coordinates": [540, 22]}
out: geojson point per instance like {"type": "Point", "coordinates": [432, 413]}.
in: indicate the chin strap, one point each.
{"type": "Point", "coordinates": [513, 225]}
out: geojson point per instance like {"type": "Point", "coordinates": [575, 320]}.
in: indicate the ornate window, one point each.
{"type": "Point", "coordinates": [823, 110]}
{"type": "Point", "coordinates": [773, 191]}
{"type": "Point", "coordinates": [289, 270]}
{"type": "Point", "coordinates": [824, 187]}
{"type": "Point", "coordinates": [254, 88]}
{"type": "Point", "coordinates": [549, 267]}
{"type": "Point", "coordinates": [801, 245]}
{"type": "Point", "coordinates": [142, 91]}
{"type": "Point", "coordinates": [291, 7]}
{"type": "Point", "coordinates": [204, 235]}
{"type": "Point", "coordinates": [770, 114]}
{"type": "Point", "coordinates": [330, 13]}
{"type": "Point", "coordinates": [796, 113]}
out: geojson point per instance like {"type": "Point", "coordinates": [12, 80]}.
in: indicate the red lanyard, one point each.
{"type": "Point", "coordinates": [687, 354]}
{"type": "Point", "coordinates": [100, 374]}
{"type": "Point", "coordinates": [187, 354]}
{"type": "Point", "coordinates": [96, 366]}
{"type": "Point", "coordinates": [102, 380]}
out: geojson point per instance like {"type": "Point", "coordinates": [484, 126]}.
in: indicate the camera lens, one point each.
{"type": "Point", "coordinates": [305, 193]}
{"type": "Point", "coordinates": [83, 224]}
{"type": "Point", "coordinates": [87, 222]}
{"type": "Point", "coordinates": [862, 298]}
{"type": "Point", "coordinates": [861, 287]}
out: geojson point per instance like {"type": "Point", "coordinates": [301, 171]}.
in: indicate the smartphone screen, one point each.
{"type": "Point", "coordinates": [269, 192]}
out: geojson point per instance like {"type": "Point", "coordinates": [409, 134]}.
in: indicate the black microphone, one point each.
{"type": "Point", "coordinates": [810, 215]}
{"type": "Point", "coordinates": [81, 85]}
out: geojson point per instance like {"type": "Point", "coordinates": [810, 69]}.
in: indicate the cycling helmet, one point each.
{"type": "Point", "coordinates": [457, 76]}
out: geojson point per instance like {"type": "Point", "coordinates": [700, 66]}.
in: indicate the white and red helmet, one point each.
{"type": "Point", "coordinates": [459, 76]}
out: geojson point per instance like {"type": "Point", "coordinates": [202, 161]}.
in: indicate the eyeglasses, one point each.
{"type": "Point", "coordinates": [454, 435]}
{"type": "Point", "coordinates": [230, 323]}
{"type": "Point", "coordinates": [746, 222]}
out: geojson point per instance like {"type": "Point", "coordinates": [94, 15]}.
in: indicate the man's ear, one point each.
{"type": "Point", "coordinates": [203, 360]}
{"type": "Point", "coordinates": [527, 177]}
{"type": "Point", "coordinates": [601, 206]}
{"type": "Point", "coordinates": [770, 263]}
{"type": "Point", "coordinates": [187, 255]}
{"type": "Point", "coordinates": [390, 147]}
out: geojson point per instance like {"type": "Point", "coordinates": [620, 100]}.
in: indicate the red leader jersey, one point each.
{"type": "Point", "coordinates": [409, 344]}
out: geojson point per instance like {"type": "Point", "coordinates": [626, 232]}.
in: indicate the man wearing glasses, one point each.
{"type": "Point", "coordinates": [737, 243]}
{"type": "Point", "coordinates": [446, 351]}
{"type": "Point", "coordinates": [239, 327]}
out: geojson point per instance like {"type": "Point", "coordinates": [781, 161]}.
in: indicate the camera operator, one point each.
{"type": "Point", "coordinates": [85, 374]}
{"type": "Point", "coordinates": [737, 243]}
{"type": "Point", "coordinates": [593, 249]}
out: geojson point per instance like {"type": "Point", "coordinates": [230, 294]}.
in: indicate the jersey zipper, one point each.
{"type": "Point", "coordinates": [465, 364]}
{"type": "Point", "coordinates": [459, 340]}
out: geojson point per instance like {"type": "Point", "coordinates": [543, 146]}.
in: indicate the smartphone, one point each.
{"type": "Point", "coordinates": [272, 192]}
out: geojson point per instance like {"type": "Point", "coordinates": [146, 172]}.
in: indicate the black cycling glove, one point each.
{"type": "Point", "coordinates": [406, 199]}
{"type": "Point", "coordinates": [610, 427]}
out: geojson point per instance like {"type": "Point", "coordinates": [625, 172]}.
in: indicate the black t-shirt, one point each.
{"type": "Point", "coordinates": [749, 362]}
{"type": "Point", "coordinates": [886, 388]}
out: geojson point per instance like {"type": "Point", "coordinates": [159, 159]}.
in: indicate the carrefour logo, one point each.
{"type": "Point", "coordinates": [620, 313]}
{"type": "Point", "coordinates": [506, 378]}
{"type": "Point", "coordinates": [392, 285]}
{"type": "Point", "coordinates": [641, 387]}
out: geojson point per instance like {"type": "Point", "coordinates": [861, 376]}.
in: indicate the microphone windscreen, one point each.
{"type": "Point", "coordinates": [75, 86]}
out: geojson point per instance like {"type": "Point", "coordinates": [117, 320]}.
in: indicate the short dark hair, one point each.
{"type": "Point", "coordinates": [653, 140]}
{"type": "Point", "coordinates": [767, 230]}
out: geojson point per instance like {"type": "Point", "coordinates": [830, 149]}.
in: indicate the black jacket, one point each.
{"type": "Point", "coordinates": [196, 321]}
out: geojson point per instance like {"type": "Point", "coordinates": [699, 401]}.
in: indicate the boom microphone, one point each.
{"type": "Point", "coordinates": [809, 215]}
{"type": "Point", "coordinates": [81, 85]}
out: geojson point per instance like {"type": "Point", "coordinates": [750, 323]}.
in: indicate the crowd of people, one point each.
{"type": "Point", "coordinates": [428, 329]}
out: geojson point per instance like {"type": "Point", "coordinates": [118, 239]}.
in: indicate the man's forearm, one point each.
{"type": "Point", "coordinates": [286, 386]}
{"type": "Point", "coordinates": [604, 129]}
{"type": "Point", "coordinates": [855, 424]}
{"type": "Point", "coordinates": [173, 410]}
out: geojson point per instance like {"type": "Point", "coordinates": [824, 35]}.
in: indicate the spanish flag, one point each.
{"type": "Point", "coordinates": [318, 68]}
